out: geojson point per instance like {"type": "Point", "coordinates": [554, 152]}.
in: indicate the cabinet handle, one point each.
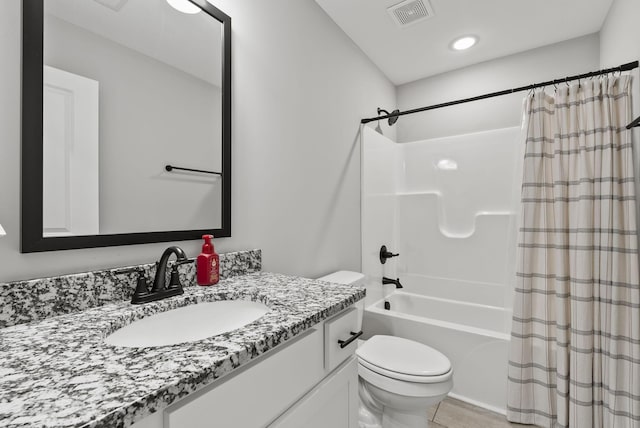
{"type": "Point", "coordinates": [354, 336]}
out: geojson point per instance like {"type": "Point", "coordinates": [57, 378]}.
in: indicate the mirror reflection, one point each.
{"type": "Point", "coordinates": [130, 87]}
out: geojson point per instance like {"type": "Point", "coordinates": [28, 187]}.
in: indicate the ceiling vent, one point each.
{"type": "Point", "coordinates": [114, 5]}
{"type": "Point", "coordinates": [410, 12]}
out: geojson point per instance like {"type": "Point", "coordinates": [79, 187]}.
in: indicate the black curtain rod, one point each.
{"type": "Point", "coordinates": [623, 67]}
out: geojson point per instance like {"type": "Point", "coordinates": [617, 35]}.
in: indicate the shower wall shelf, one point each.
{"type": "Point", "coordinates": [478, 256]}
{"type": "Point", "coordinates": [477, 216]}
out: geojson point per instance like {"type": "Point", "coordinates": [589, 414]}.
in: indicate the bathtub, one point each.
{"type": "Point", "coordinates": [474, 337]}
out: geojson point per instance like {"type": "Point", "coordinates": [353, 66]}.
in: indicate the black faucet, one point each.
{"type": "Point", "coordinates": [396, 281]}
{"type": "Point", "coordinates": [160, 290]}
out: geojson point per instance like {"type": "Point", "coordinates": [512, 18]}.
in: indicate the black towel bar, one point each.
{"type": "Point", "coordinates": [171, 168]}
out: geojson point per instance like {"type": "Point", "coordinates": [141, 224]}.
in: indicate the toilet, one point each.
{"type": "Point", "coordinates": [399, 379]}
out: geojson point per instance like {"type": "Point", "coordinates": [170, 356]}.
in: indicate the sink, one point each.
{"type": "Point", "coordinates": [188, 324]}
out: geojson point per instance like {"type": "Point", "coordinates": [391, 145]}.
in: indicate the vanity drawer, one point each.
{"type": "Point", "coordinates": [340, 338]}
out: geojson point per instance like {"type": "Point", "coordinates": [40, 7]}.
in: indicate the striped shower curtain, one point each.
{"type": "Point", "coordinates": [575, 344]}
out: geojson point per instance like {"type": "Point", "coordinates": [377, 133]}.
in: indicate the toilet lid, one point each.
{"type": "Point", "coordinates": [404, 356]}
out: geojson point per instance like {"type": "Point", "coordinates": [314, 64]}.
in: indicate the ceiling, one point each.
{"type": "Point", "coordinates": [503, 27]}
{"type": "Point", "coordinates": [191, 43]}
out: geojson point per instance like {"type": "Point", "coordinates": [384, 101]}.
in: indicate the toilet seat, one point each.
{"type": "Point", "coordinates": [405, 388]}
{"type": "Point", "coordinates": [403, 359]}
{"type": "Point", "coordinates": [404, 377]}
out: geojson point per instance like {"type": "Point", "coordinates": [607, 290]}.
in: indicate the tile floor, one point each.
{"type": "Point", "coordinates": [451, 413]}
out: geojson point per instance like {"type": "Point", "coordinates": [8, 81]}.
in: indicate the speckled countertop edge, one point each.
{"type": "Point", "coordinates": [59, 373]}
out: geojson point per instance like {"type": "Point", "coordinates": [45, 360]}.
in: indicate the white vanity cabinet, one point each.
{"type": "Point", "coordinates": [332, 403]}
{"type": "Point", "coordinates": [309, 381]}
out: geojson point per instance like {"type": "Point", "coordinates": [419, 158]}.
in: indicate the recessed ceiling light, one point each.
{"type": "Point", "coordinates": [464, 43]}
{"type": "Point", "coordinates": [184, 6]}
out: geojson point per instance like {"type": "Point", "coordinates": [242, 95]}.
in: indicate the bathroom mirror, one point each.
{"type": "Point", "coordinates": [126, 122]}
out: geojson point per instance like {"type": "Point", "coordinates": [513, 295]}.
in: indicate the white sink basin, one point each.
{"type": "Point", "coordinates": [188, 324]}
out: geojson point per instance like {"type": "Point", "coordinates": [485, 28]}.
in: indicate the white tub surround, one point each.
{"type": "Point", "coordinates": [449, 207]}
{"type": "Point", "coordinates": [59, 372]}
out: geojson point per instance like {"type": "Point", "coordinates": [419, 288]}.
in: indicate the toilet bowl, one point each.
{"type": "Point", "coordinates": [399, 379]}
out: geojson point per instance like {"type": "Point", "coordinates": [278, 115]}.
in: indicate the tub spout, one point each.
{"type": "Point", "coordinates": [396, 281]}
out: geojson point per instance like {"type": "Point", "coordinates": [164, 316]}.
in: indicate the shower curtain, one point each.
{"type": "Point", "coordinates": [575, 342]}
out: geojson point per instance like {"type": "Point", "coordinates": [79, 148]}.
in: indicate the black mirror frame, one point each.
{"type": "Point", "coordinates": [32, 146]}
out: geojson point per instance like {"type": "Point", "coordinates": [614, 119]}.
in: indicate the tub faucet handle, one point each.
{"type": "Point", "coordinates": [396, 282]}
{"type": "Point", "coordinates": [384, 254]}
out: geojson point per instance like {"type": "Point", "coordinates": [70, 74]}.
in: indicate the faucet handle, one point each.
{"type": "Point", "coordinates": [174, 282]}
{"type": "Point", "coordinates": [384, 254]}
{"type": "Point", "coordinates": [142, 287]}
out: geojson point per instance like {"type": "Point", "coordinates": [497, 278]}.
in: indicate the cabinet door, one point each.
{"type": "Point", "coordinates": [332, 403]}
{"type": "Point", "coordinates": [256, 393]}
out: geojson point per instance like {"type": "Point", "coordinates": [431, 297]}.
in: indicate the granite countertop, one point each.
{"type": "Point", "coordinates": [58, 372]}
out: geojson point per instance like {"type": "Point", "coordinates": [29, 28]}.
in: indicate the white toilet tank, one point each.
{"type": "Point", "coordinates": [350, 278]}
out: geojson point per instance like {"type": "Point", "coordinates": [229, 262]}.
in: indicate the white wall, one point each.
{"type": "Point", "coordinates": [619, 44]}
{"type": "Point", "coordinates": [620, 34]}
{"type": "Point", "coordinates": [550, 62]}
{"type": "Point", "coordinates": [300, 88]}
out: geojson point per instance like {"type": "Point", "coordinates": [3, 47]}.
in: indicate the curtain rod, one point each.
{"type": "Point", "coordinates": [624, 67]}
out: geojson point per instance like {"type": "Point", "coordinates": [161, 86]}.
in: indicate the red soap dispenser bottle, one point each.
{"type": "Point", "coordinates": [208, 263]}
